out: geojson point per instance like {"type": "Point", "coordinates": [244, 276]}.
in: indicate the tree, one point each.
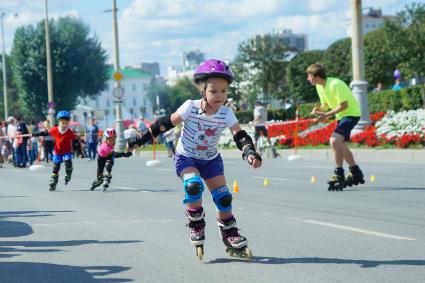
{"type": "Point", "coordinates": [406, 38]}
{"type": "Point", "coordinates": [172, 97]}
{"type": "Point", "coordinates": [296, 76]}
{"type": "Point", "coordinates": [12, 95]}
{"type": "Point", "coordinates": [261, 65]}
{"type": "Point", "coordinates": [337, 60]}
{"type": "Point", "coordinates": [78, 64]}
{"type": "Point", "coordinates": [379, 64]}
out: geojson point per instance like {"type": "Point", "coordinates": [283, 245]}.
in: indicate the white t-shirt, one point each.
{"type": "Point", "coordinates": [201, 132]}
{"type": "Point", "coordinates": [129, 133]}
{"type": "Point", "coordinates": [260, 116]}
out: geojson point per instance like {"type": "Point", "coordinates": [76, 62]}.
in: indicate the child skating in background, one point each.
{"type": "Point", "coordinates": [105, 159]}
{"type": "Point", "coordinates": [62, 152]}
{"type": "Point", "coordinates": [197, 158]}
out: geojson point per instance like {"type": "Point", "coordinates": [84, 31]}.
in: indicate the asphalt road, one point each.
{"type": "Point", "coordinates": [135, 232]}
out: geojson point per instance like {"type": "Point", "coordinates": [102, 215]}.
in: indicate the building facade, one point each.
{"type": "Point", "coordinates": [135, 83]}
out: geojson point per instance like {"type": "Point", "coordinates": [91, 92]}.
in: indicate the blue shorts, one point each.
{"type": "Point", "coordinates": [58, 158]}
{"type": "Point", "coordinates": [345, 125]}
{"type": "Point", "coordinates": [207, 168]}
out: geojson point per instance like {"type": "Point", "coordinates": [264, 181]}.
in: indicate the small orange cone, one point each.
{"type": "Point", "coordinates": [235, 187]}
{"type": "Point", "coordinates": [313, 179]}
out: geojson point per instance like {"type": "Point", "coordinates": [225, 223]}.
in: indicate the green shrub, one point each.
{"type": "Point", "coordinates": [409, 98]}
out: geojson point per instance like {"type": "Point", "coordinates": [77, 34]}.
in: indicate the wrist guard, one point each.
{"type": "Point", "coordinates": [122, 154]}
{"type": "Point", "coordinates": [249, 150]}
{"type": "Point", "coordinates": [161, 125]}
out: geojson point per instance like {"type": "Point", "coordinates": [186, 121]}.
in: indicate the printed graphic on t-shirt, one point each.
{"type": "Point", "coordinates": [201, 133]}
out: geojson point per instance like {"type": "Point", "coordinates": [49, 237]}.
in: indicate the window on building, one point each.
{"type": "Point", "coordinates": [108, 103]}
{"type": "Point", "coordinates": [134, 101]}
{"type": "Point", "coordinates": [367, 25]}
{"type": "Point", "coordinates": [134, 87]}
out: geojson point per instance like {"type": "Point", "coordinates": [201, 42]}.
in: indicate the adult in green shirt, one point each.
{"type": "Point", "coordinates": [336, 99]}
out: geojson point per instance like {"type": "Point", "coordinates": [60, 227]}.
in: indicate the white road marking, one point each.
{"type": "Point", "coordinates": [358, 230]}
{"type": "Point", "coordinates": [270, 178]}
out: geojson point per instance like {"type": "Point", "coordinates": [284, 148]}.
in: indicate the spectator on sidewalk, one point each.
{"type": "Point", "coordinates": [92, 136]}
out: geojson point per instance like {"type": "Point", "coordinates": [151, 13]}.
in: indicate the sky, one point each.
{"type": "Point", "coordinates": [161, 30]}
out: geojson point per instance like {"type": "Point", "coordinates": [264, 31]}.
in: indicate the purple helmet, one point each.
{"type": "Point", "coordinates": [213, 68]}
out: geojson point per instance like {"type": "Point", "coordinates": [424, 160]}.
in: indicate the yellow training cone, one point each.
{"type": "Point", "coordinates": [313, 179]}
{"type": "Point", "coordinates": [372, 178]}
{"type": "Point", "coordinates": [235, 187]}
{"type": "Point", "coordinates": [266, 182]}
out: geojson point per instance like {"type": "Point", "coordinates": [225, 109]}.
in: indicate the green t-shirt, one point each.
{"type": "Point", "coordinates": [336, 92]}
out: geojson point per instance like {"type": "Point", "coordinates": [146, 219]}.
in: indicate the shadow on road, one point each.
{"type": "Point", "coordinates": [10, 229]}
{"type": "Point", "coordinates": [22, 272]}
{"type": "Point", "coordinates": [319, 260]}
{"type": "Point", "coordinates": [46, 272]}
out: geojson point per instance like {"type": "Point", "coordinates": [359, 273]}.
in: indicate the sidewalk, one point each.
{"type": "Point", "coordinates": [366, 155]}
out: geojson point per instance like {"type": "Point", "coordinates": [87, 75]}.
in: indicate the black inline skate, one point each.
{"type": "Point", "coordinates": [107, 181]}
{"type": "Point", "coordinates": [53, 182]}
{"type": "Point", "coordinates": [355, 176]}
{"type": "Point", "coordinates": [197, 229]}
{"type": "Point", "coordinates": [97, 183]}
{"type": "Point", "coordinates": [67, 179]}
{"type": "Point", "coordinates": [337, 181]}
{"type": "Point", "coordinates": [236, 244]}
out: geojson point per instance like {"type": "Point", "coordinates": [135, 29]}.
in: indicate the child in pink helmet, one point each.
{"type": "Point", "coordinates": [197, 159]}
{"type": "Point", "coordinates": [105, 159]}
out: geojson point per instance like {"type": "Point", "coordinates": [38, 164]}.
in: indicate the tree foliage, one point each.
{"type": "Point", "coordinates": [78, 64]}
{"type": "Point", "coordinates": [171, 97]}
{"type": "Point", "coordinates": [300, 89]}
{"type": "Point", "coordinates": [260, 66]}
{"type": "Point", "coordinates": [12, 95]}
{"type": "Point", "coordinates": [406, 40]}
{"type": "Point", "coordinates": [337, 60]}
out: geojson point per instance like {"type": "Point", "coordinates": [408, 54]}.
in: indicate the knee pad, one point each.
{"type": "Point", "coordinates": [193, 188]}
{"type": "Point", "coordinates": [222, 199]}
{"type": "Point", "coordinates": [56, 168]}
{"type": "Point", "coordinates": [108, 166]}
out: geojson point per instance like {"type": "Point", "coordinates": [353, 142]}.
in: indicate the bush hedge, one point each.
{"type": "Point", "coordinates": [410, 98]}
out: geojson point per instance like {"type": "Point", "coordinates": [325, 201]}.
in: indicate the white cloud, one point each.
{"type": "Point", "coordinates": [153, 30]}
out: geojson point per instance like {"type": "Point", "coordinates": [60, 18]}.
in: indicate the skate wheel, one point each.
{"type": "Point", "coordinates": [200, 252]}
{"type": "Point", "coordinates": [248, 253]}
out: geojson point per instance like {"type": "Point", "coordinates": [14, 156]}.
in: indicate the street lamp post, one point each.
{"type": "Point", "coordinates": [359, 83]}
{"type": "Point", "coordinates": [120, 143]}
{"type": "Point", "coordinates": [6, 110]}
{"type": "Point", "coordinates": [51, 111]}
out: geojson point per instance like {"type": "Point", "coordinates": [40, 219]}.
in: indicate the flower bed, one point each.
{"type": "Point", "coordinates": [401, 129]}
